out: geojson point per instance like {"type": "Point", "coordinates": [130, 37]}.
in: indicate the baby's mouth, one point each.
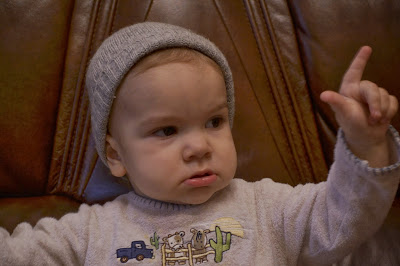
{"type": "Point", "coordinates": [202, 175]}
{"type": "Point", "coordinates": [201, 179]}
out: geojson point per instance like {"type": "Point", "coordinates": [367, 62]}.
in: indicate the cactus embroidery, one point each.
{"type": "Point", "coordinates": [155, 241]}
{"type": "Point", "coordinates": [219, 246]}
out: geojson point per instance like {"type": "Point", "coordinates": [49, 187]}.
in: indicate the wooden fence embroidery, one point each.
{"type": "Point", "coordinates": [168, 255]}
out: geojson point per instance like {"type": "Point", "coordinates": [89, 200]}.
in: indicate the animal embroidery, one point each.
{"type": "Point", "coordinates": [175, 244]}
{"type": "Point", "coordinates": [199, 242]}
{"type": "Point", "coordinates": [197, 249]}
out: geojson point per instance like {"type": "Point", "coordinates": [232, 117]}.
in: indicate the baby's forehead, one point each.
{"type": "Point", "coordinates": [167, 60]}
{"type": "Point", "coordinates": [150, 74]}
{"type": "Point", "coordinates": [172, 55]}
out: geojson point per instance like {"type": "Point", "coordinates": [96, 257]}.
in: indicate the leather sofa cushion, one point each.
{"type": "Point", "coordinates": [30, 209]}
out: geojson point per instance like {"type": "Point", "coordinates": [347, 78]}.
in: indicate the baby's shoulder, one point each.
{"type": "Point", "coordinates": [268, 188]}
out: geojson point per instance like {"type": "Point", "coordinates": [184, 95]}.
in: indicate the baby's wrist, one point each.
{"type": "Point", "coordinates": [377, 153]}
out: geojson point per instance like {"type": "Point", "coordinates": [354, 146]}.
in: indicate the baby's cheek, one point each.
{"type": "Point", "coordinates": [229, 157]}
{"type": "Point", "coordinates": [233, 165]}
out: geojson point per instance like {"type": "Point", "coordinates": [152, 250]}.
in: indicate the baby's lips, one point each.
{"type": "Point", "coordinates": [201, 180]}
{"type": "Point", "coordinates": [202, 173]}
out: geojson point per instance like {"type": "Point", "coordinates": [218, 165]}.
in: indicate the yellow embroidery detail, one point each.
{"type": "Point", "coordinates": [228, 224]}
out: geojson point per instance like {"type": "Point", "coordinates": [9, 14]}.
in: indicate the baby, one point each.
{"type": "Point", "coordinates": [162, 107]}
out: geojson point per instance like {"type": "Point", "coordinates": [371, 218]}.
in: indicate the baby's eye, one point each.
{"type": "Point", "coordinates": [214, 123]}
{"type": "Point", "coordinates": [165, 132]}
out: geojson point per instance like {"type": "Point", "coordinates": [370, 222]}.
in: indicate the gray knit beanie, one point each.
{"type": "Point", "coordinates": [122, 50]}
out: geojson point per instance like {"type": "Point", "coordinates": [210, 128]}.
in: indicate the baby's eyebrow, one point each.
{"type": "Point", "coordinates": [220, 106]}
{"type": "Point", "coordinates": [157, 119]}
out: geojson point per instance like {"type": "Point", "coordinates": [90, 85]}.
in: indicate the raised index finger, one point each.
{"type": "Point", "coordinates": [355, 71]}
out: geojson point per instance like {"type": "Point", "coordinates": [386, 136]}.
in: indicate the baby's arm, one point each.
{"type": "Point", "coordinates": [363, 111]}
{"type": "Point", "coordinates": [50, 242]}
{"type": "Point", "coordinates": [323, 223]}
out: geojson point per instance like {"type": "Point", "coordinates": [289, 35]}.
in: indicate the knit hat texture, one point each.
{"type": "Point", "coordinates": [122, 50]}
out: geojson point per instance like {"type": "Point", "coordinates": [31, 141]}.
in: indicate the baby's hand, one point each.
{"type": "Point", "coordinates": [363, 111]}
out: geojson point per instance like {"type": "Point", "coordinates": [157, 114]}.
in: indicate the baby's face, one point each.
{"type": "Point", "coordinates": [170, 133]}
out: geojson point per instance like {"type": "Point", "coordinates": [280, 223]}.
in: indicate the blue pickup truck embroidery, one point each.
{"type": "Point", "coordinates": [137, 251]}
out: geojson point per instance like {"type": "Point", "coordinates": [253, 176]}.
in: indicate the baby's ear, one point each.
{"type": "Point", "coordinates": [114, 161]}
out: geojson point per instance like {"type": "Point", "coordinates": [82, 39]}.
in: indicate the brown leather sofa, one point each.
{"type": "Point", "coordinates": [283, 54]}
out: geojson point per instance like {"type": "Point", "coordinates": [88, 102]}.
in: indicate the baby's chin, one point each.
{"type": "Point", "coordinates": [184, 201]}
{"type": "Point", "coordinates": [194, 197]}
{"type": "Point", "coordinates": [195, 200]}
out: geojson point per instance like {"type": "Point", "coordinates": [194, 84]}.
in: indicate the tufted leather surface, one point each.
{"type": "Point", "coordinates": [282, 54]}
{"type": "Point", "coordinates": [32, 45]}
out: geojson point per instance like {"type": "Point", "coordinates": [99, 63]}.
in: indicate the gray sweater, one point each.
{"type": "Point", "coordinates": [261, 223]}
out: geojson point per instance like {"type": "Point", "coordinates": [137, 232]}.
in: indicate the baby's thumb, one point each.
{"type": "Point", "coordinates": [336, 101]}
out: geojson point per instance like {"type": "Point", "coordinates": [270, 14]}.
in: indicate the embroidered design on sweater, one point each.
{"type": "Point", "coordinates": [228, 224]}
{"type": "Point", "coordinates": [154, 240]}
{"type": "Point", "coordinates": [199, 244]}
{"type": "Point", "coordinates": [138, 251]}
{"type": "Point", "coordinates": [174, 249]}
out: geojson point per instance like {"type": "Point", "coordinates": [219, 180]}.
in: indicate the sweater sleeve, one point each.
{"type": "Point", "coordinates": [49, 242]}
{"type": "Point", "coordinates": [322, 223]}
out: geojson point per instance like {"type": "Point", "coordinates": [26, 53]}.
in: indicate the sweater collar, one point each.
{"type": "Point", "coordinates": [149, 203]}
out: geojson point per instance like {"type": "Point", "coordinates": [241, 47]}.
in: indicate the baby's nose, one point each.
{"type": "Point", "coordinates": [196, 147]}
